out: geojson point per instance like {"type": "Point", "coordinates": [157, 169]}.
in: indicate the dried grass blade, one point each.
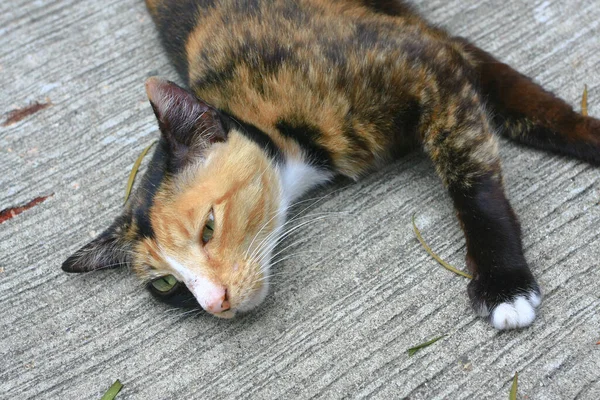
{"type": "Point", "coordinates": [418, 347]}
{"type": "Point", "coordinates": [513, 389]}
{"type": "Point", "coordinates": [435, 256]}
{"type": "Point", "coordinates": [135, 168]}
{"type": "Point", "coordinates": [112, 391]}
{"type": "Point", "coordinates": [584, 104]}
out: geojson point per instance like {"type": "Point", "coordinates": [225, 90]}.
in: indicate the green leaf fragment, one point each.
{"type": "Point", "coordinates": [112, 391]}
{"type": "Point", "coordinates": [435, 256]}
{"type": "Point", "coordinates": [413, 350]}
{"type": "Point", "coordinates": [513, 389]}
{"type": "Point", "coordinates": [134, 170]}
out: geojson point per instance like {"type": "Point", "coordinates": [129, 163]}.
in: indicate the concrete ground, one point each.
{"type": "Point", "coordinates": [357, 290]}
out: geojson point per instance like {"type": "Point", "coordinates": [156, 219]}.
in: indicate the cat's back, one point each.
{"type": "Point", "coordinates": [343, 70]}
{"type": "Point", "coordinates": [329, 28]}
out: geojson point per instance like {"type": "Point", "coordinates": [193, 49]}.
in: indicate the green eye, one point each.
{"type": "Point", "coordinates": [164, 283]}
{"type": "Point", "coordinates": [209, 228]}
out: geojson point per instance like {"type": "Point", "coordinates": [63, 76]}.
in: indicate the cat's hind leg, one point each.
{"type": "Point", "coordinates": [463, 149]}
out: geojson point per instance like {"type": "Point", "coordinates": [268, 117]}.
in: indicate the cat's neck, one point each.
{"type": "Point", "coordinates": [298, 177]}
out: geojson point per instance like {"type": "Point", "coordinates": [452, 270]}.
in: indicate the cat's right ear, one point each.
{"type": "Point", "coordinates": [109, 250]}
{"type": "Point", "coordinates": [189, 125]}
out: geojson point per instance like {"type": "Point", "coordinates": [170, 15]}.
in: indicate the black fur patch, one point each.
{"type": "Point", "coordinates": [390, 7]}
{"type": "Point", "coordinates": [494, 247]}
{"type": "Point", "coordinates": [366, 36]}
{"type": "Point", "coordinates": [108, 250]}
{"type": "Point", "coordinates": [216, 77]}
{"type": "Point", "coordinates": [180, 296]}
{"type": "Point", "coordinates": [540, 137]}
{"type": "Point", "coordinates": [406, 123]}
{"type": "Point", "coordinates": [253, 133]}
{"type": "Point", "coordinates": [307, 135]}
{"type": "Point", "coordinates": [175, 21]}
{"type": "Point", "coordinates": [262, 56]}
{"type": "Point", "coordinates": [158, 168]}
{"type": "Point", "coordinates": [250, 8]}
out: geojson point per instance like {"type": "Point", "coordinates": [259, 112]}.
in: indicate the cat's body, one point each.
{"type": "Point", "coordinates": [302, 91]}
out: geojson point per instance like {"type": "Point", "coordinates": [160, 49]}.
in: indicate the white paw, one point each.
{"type": "Point", "coordinates": [516, 314]}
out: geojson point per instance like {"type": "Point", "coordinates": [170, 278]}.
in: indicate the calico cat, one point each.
{"type": "Point", "coordinates": [284, 95]}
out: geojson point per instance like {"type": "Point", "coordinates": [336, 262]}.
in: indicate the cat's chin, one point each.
{"type": "Point", "coordinates": [225, 314]}
{"type": "Point", "coordinates": [255, 298]}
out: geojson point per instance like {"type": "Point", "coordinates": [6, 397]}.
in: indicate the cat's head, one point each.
{"type": "Point", "coordinates": [202, 225]}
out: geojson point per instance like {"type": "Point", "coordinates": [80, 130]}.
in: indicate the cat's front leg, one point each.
{"type": "Point", "coordinates": [465, 155]}
{"type": "Point", "coordinates": [503, 287]}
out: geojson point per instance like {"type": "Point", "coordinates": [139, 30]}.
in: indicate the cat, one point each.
{"type": "Point", "coordinates": [284, 95]}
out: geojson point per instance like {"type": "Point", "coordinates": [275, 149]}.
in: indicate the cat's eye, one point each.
{"type": "Point", "coordinates": [173, 292]}
{"type": "Point", "coordinates": [164, 284]}
{"type": "Point", "coordinates": [209, 228]}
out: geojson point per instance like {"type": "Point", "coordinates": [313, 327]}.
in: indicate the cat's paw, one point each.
{"type": "Point", "coordinates": [515, 309]}
{"type": "Point", "coordinates": [518, 313]}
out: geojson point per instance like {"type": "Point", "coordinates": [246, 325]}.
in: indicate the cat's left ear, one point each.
{"type": "Point", "coordinates": [189, 125]}
{"type": "Point", "coordinates": [110, 249]}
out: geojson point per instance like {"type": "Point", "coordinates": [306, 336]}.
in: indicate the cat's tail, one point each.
{"type": "Point", "coordinates": [528, 114]}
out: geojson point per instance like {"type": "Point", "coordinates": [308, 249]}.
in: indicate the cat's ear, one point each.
{"type": "Point", "coordinates": [109, 250]}
{"type": "Point", "coordinates": [189, 125]}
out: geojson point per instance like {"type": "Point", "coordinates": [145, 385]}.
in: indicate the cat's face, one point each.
{"type": "Point", "coordinates": [212, 225]}
{"type": "Point", "coordinates": [207, 214]}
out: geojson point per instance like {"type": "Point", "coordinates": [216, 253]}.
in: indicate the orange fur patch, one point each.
{"type": "Point", "coordinates": [240, 184]}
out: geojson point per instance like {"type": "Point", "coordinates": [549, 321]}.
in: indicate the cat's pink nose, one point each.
{"type": "Point", "coordinates": [218, 302]}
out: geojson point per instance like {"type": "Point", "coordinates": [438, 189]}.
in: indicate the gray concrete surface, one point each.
{"type": "Point", "coordinates": [356, 292]}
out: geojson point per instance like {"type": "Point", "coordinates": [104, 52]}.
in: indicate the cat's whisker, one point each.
{"type": "Point", "coordinates": [278, 213]}
{"type": "Point", "coordinates": [190, 312]}
{"type": "Point", "coordinates": [177, 314]}
{"type": "Point", "coordinates": [300, 225]}
{"type": "Point", "coordinates": [287, 273]}
{"type": "Point", "coordinates": [316, 200]}
{"type": "Point", "coordinates": [287, 257]}
{"type": "Point", "coordinates": [317, 215]}
{"type": "Point", "coordinates": [173, 310]}
{"type": "Point", "coordinates": [264, 258]}
{"type": "Point", "coordinates": [294, 243]}
{"type": "Point", "coordinates": [274, 232]}
{"type": "Point", "coordinates": [311, 268]}
{"type": "Point", "coordinates": [270, 261]}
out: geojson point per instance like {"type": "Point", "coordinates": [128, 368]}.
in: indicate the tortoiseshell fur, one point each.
{"type": "Point", "coordinates": [345, 86]}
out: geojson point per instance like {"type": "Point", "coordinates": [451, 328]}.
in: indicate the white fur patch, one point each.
{"type": "Point", "coordinates": [298, 177]}
{"type": "Point", "coordinates": [205, 291]}
{"type": "Point", "coordinates": [518, 313]}
{"type": "Point", "coordinates": [256, 298]}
